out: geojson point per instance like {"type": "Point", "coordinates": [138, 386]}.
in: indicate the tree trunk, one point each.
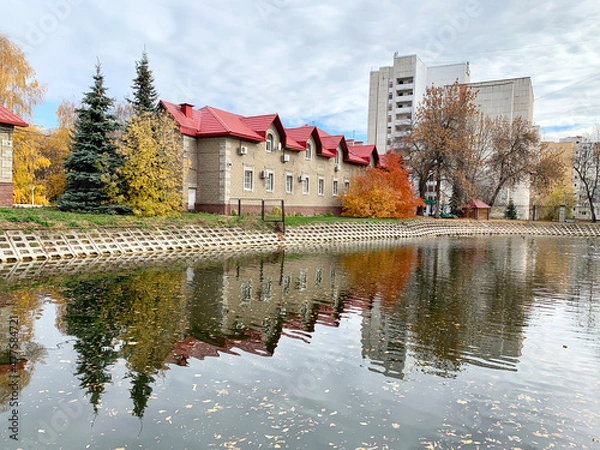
{"type": "Point", "coordinates": [592, 209]}
{"type": "Point", "coordinates": [438, 182]}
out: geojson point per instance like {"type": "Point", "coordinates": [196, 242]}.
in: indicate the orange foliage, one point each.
{"type": "Point", "coordinates": [383, 192]}
{"type": "Point", "coordinates": [383, 273]}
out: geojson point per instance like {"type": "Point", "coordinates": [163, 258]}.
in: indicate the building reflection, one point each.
{"type": "Point", "coordinates": [432, 307]}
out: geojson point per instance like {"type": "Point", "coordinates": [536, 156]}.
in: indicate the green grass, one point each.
{"type": "Point", "coordinates": [307, 220]}
{"type": "Point", "coordinates": [52, 218]}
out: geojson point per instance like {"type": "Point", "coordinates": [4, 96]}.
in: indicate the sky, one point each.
{"type": "Point", "coordinates": [307, 60]}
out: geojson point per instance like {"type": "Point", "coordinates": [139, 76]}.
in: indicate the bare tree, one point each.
{"type": "Point", "coordinates": [514, 155]}
{"type": "Point", "coordinates": [586, 162]}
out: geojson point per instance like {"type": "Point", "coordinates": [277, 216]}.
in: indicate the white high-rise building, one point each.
{"type": "Point", "coordinates": [396, 91]}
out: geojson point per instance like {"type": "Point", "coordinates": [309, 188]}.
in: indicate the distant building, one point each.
{"type": "Point", "coordinates": [256, 158]}
{"type": "Point", "coordinates": [8, 121]}
{"type": "Point", "coordinates": [396, 91]}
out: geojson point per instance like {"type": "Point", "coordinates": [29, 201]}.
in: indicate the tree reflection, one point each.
{"type": "Point", "coordinates": [17, 364]}
{"type": "Point", "coordinates": [469, 304]}
{"type": "Point", "coordinates": [384, 273]}
{"type": "Point", "coordinates": [92, 316]}
{"type": "Point", "coordinates": [138, 317]}
{"type": "Point", "coordinates": [377, 281]}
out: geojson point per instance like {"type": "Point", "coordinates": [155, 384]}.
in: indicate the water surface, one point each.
{"type": "Point", "coordinates": [433, 343]}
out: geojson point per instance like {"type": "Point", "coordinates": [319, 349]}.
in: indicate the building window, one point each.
{"type": "Point", "coordinates": [308, 154]}
{"type": "Point", "coordinates": [321, 186]}
{"type": "Point", "coordinates": [270, 146]}
{"type": "Point", "coordinates": [337, 157]}
{"type": "Point", "coordinates": [269, 181]}
{"type": "Point", "coordinates": [248, 179]}
{"type": "Point", "coordinates": [334, 188]}
{"type": "Point", "coordinates": [346, 184]}
{"type": "Point", "coordinates": [305, 185]}
{"type": "Point", "coordinates": [289, 183]}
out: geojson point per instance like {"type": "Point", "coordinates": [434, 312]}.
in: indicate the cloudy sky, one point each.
{"type": "Point", "coordinates": [310, 60]}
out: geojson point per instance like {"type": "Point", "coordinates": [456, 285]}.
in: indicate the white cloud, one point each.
{"type": "Point", "coordinates": [310, 60]}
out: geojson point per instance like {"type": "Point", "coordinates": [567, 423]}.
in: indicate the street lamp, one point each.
{"type": "Point", "coordinates": [32, 196]}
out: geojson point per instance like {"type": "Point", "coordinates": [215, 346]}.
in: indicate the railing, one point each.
{"type": "Point", "coordinates": [260, 205]}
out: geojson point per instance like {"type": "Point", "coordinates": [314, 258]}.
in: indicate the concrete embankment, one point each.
{"type": "Point", "coordinates": [36, 245]}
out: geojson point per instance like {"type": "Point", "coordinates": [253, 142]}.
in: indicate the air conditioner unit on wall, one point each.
{"type": "Point", "coordinates": [301, 178]}
{"type": "Point", "coordinates": [263, 174]}
{"type": "Point", "coordinates": [338, 168]}
{"type": "Point", "coordinates": [285, 158]}
{"type": "Point", "coordinates": [243, 150]}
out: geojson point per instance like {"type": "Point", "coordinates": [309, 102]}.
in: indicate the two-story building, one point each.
{"type": "Point", "coordinates": [254, 158]}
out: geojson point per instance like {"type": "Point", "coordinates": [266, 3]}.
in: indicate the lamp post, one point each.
{"type": "Point", "coordinates": [32, 196]}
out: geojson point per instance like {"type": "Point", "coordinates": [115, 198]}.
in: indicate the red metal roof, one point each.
{"type": "Point", "coordinates": [330, 143]}
{"type": "Point", "coordinates": [361, 154]}
{"type": "Point", "coordinates": [210, 122]}
{"type": "Point", "coordinates": [302, 134]}
{"type": "Point", "coordinates": [260, 124]}
{"type": "Point", "coordinates": [7, 117]}
{"type": "Point", "coordinates": [477, 204]}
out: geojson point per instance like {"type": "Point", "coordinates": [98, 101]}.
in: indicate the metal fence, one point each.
{"type": "Point", "coordinates": [270, 210]}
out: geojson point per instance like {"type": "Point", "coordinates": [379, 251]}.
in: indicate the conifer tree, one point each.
{"type": "Point", "coordinates": [93, 154]}
{"type": "Point", "coordinates": [144, 93]}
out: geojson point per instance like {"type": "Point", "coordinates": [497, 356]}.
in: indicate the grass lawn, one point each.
{"type": "Point", "coordinates": [49, 217]}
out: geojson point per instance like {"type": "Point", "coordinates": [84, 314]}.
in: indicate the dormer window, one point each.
{"type": "Point", "coordinates": [269, 145]}
{"type": "Point", "coordinates": [308, 154]}
{"type": "Point", "coordinates": [337, 157]}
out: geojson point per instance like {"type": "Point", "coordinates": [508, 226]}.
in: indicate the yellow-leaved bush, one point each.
{"type": "Point", "coordinates": [150, 180]}
{"type": "Point", "coordinates": [27, 159]}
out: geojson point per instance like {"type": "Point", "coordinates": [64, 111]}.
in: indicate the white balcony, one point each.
{"type": "Point", "coordinates": [404, 98]}
{"type": "Point", "coordinates": [405, 87]}
{"type": "Point", "coordinates": [407, 110]}
{"type": "Point", "coordinates": [403, 122]}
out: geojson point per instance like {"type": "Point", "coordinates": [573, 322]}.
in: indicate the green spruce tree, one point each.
{"type": "Point", "coordinates": [510, 212]}
{"type": "Point", "coordinates": [93, 154]}
{"type": "Point", "coordinates": [144, 94]}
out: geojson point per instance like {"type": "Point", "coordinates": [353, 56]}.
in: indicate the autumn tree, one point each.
{"type": "Point", "coordinates": [586, 163]}
{"type": "Point", "coordinates": [382, 192]}
{"type": "Point", "coordinates": [55, 149]}
{"type": "Point", "coordinates": [93, 154]}
{"type": "Point", "coordinates": [20, 91]}
{"type": "Point", "coordinates": [149, 182]}
{"type": "Point", "coordinates": [514, 156]}
{"type": "Point", "coordinates": [28, 158]}
{"type": "Point", "coordinates": [438, 145]}
{"type": "Point", "coordinates": [145, 96]}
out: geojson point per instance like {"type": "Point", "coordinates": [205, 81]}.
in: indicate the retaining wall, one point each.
{"type": "Point", "coordinates": [20, 245]}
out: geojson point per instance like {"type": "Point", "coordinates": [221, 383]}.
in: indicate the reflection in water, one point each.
{"type": "Point", "coordinates": [436, 308]}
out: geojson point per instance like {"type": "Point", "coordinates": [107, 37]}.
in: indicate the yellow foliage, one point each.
{"type": "Point", "coordinates": [19, 90]}
{"type": "Point", "coordinates": [150, 180]}
{"type": "Point", "coordinates": [56, 149]}
{"type": "Point", "coordinates": [27, 159]}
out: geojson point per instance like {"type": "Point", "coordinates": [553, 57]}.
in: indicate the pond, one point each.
{"type": "Point", "coordinates": [435, 343]}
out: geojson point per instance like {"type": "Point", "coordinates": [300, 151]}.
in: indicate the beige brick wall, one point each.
{"type": "Point", "coordinates": [6, 158]}
{"type": "Point", "coordinates": [217, 170]}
